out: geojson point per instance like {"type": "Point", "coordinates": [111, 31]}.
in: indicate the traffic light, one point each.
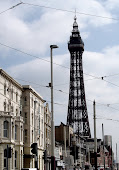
{"type": "Point", "coordinates": [77, 151]}
{"type": "Point", "coordinates": [9, 152]}
{"type": "Point", "coordinates": [72, 151]}
{"type": "Point", "coordinates": [45, 156]}
{"type": "Point", "coordinates": [34, 148]}
{"type": "Point", "coordinates": [61, 157]}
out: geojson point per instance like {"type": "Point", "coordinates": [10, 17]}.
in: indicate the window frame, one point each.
{"type": "Point", "coordinates": [25, 135]}
{"type": "Point", "coordinates": [15, 159]}
{"type": "Point", "coordinates": [5, 89]}
{"type": "Point", "coordinates": [16, 127]}
{"type": "Point", "coordinates": [6, 129]}
{"type": "Point", "coordinates": [5, 158]}
{"type": "Point", "coordinates": [25, 117]}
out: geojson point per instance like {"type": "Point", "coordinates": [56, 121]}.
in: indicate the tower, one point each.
{"type": "Point", "coordinates": [77, 116]}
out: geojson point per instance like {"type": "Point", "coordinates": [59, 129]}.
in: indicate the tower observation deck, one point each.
{"type": "Point", "coordinates": [77, 116]}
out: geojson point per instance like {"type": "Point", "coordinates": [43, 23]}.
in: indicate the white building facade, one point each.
{"type": "Point", "coordinates": [11, 122]}
{"type": "Point", "coordinates": [47, 137]}
{"type": "Point", "coordinates": [47, 129]}
{"type": "Point", "coordinates": [33, 114]}
{"type": "Point", "coordinates": [21, 124]}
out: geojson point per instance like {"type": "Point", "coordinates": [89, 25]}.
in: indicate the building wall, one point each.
{"type": "Point", "coordinates": [60, 133]}
{"type": "Point", "coordinates": [47, 129]}
{"type": "Point", "coordinates": [33, 113]}
{"type": "Point", "coordinates": [108, 140]}
{"type": "Point", "coordinates": [11, 121]}
{"type": "Point", "coordinates": [23, 109]}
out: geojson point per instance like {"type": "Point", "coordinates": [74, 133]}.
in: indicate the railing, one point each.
{"type": "Point", "coordinates": [18, 118]}
{"type": "Point", "coordinates": [4, 113]}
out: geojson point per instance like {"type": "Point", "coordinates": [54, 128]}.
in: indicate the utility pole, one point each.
{"type": "Point", "coordinates": [116, 157]}
{"type": "Point", "coordinates": [111, 155]}
{"type": "Point", "coordinates": [52, 113]}
{"type": "Point", "coordinates": [103, 144]}
{"type": "Point", "coordinates": [95, 139]}
{"type": "Point", "coordinates": [65, 141]}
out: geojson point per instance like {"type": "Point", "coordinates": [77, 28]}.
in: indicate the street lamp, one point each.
{"type": "Point", "coordinates": [52, 115]}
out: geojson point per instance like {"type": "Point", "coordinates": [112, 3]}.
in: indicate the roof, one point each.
{"type": "Point", "coordinates": [28, 87]}
{"type": "Point", "coordinates": [7, 76]}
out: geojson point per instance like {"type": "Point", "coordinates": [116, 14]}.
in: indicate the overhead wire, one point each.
{"type": "Point", "coordinates": [59, 9]}
{"type": "Point", "coordinates": [32, 55]}
{"type": "Point", "coordinates": [109, 119]}
{"type": "Point", "coordinates": [55, 64]}
{"type": "Point", "coordinates": [106, 105]}
{"type": "Point", "coordinates": [11, 8]}
{"type": "Point", "coordinates": [40, 85]}
{"type": "Point", "coordinates": [111, 75]}
{"type": "Point", "coordinates": [61, 65]}
{"type": "Point", "coordinates": [70, 11]}
{"type": "Point", "coordinates": [59, 90]}
{"type": "Point", "coordinates": [102, 117]}
{"type": "Point", "coordinates": [111, 83]}
{"type": "Point", "coordinates": [61, 104]}
{"type": "Point", "coordinates": [48, 60]}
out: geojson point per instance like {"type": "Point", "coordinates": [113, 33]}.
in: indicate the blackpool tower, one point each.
{"type": "Point", "coordinates": [77, 116]}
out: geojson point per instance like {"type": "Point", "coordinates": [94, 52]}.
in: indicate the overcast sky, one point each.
{"type": "Point", "coordinates": [33, 28]}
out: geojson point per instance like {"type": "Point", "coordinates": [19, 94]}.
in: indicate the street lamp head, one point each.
{"type": "Point", "coordinates": [53, 46]}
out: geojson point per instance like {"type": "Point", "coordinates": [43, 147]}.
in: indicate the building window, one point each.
{"type": "Point", "coordinates": [21, 133]}
{"type": "Point", "coordinates": [32, 119]}
{"type": "Point", "coordinates": [12, 93]}
{"type": "Point", "coordinates": [12, 160]}
{"type": "Point", "coordinates": [25, 101]}
{"type": "Point", "coordinates": [39, 108]}
{"type": "Point", "coordinates": [46, 132]}
{"type": "Point", "coordinates": [12, 109]}
{"type": "Point", "coordinates": [42, 109]}
{"type": "Point", "coordinates": [25, 135]}
{"type": "Point", "coordinates": [5, 158]}
{"type": "Point", "coordinates": [16, 112]}
{"type": "Point", "coordinates": [16, 97]}
{"type": "Point", "coordinates": [21, 159]}
{"type": "Point", "coordinates": [5, 89]}
{"type": "Point", "coordinates": [15, 159]}
{"type": "Point", "coordinates": [42, 140]}
{"type": "Point", "coordinates": [25, 117]}
{"type": "Point", "coordinates": [39, 125]}
{"type": "Point", "coordinates": [32, 136]}
{"type": "Point", "coordinates": [6, 128]}
{"type": "Point", "coordinates": [42, 124]}
{"type": "Point", "coordinates": [32, 102]}
{"type": "Point", "coordinates": [8, 106]}
{"type": "Point", "coordinates": [15, 132]}
{"type": "Point", "coordinates": [12, 130]}
{"type": "Point", "coordinates": [4, 106]}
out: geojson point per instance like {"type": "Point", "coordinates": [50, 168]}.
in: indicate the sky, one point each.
{"type": "Point", "coordinates": [26, 33]}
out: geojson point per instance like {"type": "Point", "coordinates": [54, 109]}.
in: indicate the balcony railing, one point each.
{"type": "Point", "coordinates": [4, 113]}
{"type": "Point", "coordinates": [9, 114]}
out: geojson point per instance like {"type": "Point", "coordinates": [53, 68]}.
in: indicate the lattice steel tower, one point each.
{"type": "Point", "coordinates": [77, 116]}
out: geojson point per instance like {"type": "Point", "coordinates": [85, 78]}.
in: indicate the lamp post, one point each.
{"type": "Point", "coordinates": [52, 115]}
{"type": "Point", "coordinates": [95, 139]}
